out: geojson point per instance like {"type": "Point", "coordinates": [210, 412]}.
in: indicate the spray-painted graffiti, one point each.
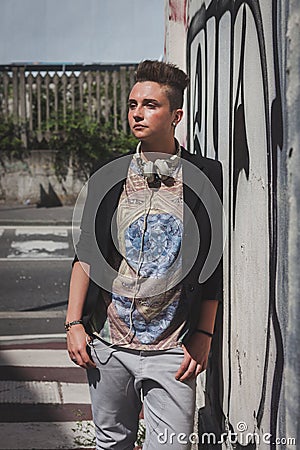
{"type": "Point", "coordinates": [235, 115]}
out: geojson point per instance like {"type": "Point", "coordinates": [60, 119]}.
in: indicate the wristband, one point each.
{"type": "Point", "coordinates": [70, 324]}
{"type": "Point", "coordinates": [198, 330]}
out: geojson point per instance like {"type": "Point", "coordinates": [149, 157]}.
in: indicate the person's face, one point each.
{"type": "Point", "coordinates": [149, 115]}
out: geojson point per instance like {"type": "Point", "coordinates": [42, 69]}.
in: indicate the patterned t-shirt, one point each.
{"type": "Point", "coordinates": [144, 310]}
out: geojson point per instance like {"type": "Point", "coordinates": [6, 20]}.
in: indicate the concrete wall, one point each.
{"type": "Point", "coordinates": [33, 178]}
{"type": "Point", "coordinates": [292, 366]}
{"type": "Point", "coordinates": [243, 109]}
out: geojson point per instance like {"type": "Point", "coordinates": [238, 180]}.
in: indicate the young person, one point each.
{"type": "Point", "coordinates": [149, 327]}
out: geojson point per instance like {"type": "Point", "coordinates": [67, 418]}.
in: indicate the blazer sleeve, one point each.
{"type": "Point", "coordinates": [86, 245]}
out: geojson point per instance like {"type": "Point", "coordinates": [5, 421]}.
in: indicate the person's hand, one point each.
{"type": "Point", "coordinates": [195, 358]}
{"type": "Point", "coordinates": [77, 347]}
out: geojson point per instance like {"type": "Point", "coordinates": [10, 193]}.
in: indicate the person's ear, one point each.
{"type": "Point", "coordinates": [178, 114]}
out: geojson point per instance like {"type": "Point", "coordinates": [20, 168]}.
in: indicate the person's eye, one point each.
{"type": "Point", "coordinates": [131, 105]}
{"type": "Point", "coordinates": [151, 105]}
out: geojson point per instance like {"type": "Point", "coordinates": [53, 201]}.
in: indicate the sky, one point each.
{"type": "Point", "coordinates": [82, 31]}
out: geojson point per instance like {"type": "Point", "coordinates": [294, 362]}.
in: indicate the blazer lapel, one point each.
{"type": "Point", "coordinates": [108, 217]}
{"type": "Point", "coordinates": [191, 203]}
{"type": "Point", "coordinates": [190, 198]}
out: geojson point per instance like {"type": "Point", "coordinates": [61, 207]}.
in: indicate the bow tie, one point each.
{"type": "Point", "coordinates": [156, 180]}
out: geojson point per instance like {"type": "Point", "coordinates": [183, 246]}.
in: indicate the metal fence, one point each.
{"type": "Point", "coordinates": [37, 96]}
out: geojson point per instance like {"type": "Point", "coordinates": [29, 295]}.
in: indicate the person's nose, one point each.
{"type": "Point", "coordinates": [138, 113]}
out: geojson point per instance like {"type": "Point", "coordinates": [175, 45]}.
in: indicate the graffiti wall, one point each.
{"type": "Point", "coordinates": [234, 53]}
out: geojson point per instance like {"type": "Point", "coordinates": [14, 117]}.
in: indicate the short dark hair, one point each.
{"type": "Point", "coordinates": [174, 79]}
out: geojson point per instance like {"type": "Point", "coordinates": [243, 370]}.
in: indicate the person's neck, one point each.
{"type": "Point", "coordinates": [167, 148]}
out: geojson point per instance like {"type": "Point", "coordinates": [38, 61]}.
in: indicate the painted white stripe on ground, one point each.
{"type": "Point", "coordinates": [35, 392]}
{"type": "Point", "coordinates": [31, 392]}
{"type": "Point", "coordinates": [54, 435]}
{"type": "Point", "coordinates": [37, 227]}
{"type": "Point", "coordinates": [35, 358]}
{"type": "Point", "coordinates": [36, 258]}
{"type": "Point", "coordinates": [1, 231]}
{"type": "Point", "coordinates": [36, 248]}
{"type": "Point", "coordinates": [22, 231]}
{"type": "Point", "coordinates": [31, 314]}
{"type": "Point", "coordinates": [75, 393]}
{"type": "Point", "coordinates": [34, 337]}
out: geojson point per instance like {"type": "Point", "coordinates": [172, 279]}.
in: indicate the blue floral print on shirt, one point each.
{"type": "Point", "coordinates": [161, 244]}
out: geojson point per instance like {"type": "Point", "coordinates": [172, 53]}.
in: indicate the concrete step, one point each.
{"type": "Point", "coordinates": [44, 398]}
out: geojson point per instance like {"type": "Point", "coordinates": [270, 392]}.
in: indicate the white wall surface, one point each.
{"type": "Point", "coordinates": [240, 110]}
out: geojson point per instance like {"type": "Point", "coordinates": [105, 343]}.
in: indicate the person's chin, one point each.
{"type": "Point", "coordinates": [139, 133]}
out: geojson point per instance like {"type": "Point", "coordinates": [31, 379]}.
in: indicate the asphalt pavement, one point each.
{"type": "Point", "coordinates": [19, 214]}
{"type": "Point", "coordinates": [44, 399]}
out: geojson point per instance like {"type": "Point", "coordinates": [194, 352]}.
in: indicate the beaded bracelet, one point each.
{"type": "Point", "coordinates": [198, 330]}
{"type": "Point", "coordinates": [70, 324]}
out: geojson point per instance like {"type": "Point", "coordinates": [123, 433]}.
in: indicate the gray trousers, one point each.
{"type": "Point", "coordinates": [124, 380]}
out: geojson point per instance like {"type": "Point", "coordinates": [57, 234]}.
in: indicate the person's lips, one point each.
{"type": "Point", "coordinates": [139, 127]}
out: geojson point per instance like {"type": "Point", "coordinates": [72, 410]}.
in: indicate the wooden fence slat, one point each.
{"type": "Point", "coordinates": [55, 83]}
{"type": "Point", "coordinates": [39, 107]}
{"type": "Point", "coordinates": [64, 81]}
{"type": "Point", "coordinates": [89, 78]}
{"type": "Point", "coordinates": [22, 112]}
{"type": "Point", "coordinates": [106, 95]}
{"type": "Point", "coordinates": [98, 98]}
{"type": "Point", "coordinates": [5, 93]}
{"type": "Point", "coordinates": [34, 96]}
{"type": "Point", "coordinates": [15, 95]}
{"type": "Point", "coordinates": [47, 84]}
{"type": "Point", "coordinates": [123, 99]}
{"type": "Point", "coordinates": [73, 83]}
{"type": "Point", "coordinates": [115, 99]}
{"type": "Point", "coordinates": [131, 77]}
{"type": "Point", "coordinates": [29, 82]}
{"type": "Point", "coordinates": [80, 83]}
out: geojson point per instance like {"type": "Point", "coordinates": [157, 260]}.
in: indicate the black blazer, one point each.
{"type": "Point", "coordinates": [199, 173]}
